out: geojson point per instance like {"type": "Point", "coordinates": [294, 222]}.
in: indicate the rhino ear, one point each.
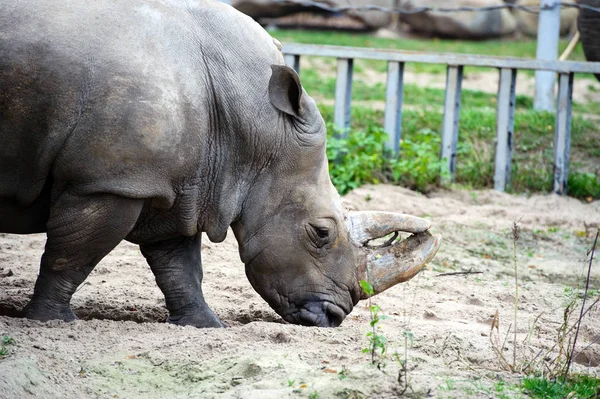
{"type": "Point", "coordinates": [285, 90]}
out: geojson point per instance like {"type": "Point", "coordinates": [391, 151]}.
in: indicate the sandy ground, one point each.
{"type": "Point", "coordinates": [121, 348]}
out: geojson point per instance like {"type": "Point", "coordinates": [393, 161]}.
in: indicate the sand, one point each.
{"type": "Point", "coordinates": [121, 348]}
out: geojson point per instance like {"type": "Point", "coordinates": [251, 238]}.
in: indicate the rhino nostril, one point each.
{"type": "Point", "coordinates": [335, 315]}
{"type": "Point", "coordinates": [307, 317]}
{"type": "Point", "coordinates": [317, 313]}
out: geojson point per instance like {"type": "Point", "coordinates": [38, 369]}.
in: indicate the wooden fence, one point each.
{"type": "Point", "coordinates": [507, 67]}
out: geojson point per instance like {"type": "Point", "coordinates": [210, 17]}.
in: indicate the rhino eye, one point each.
{"type": "Point", "coordinates": [319, 235]}
{"type": "Point", "coordinates": [322, 232]}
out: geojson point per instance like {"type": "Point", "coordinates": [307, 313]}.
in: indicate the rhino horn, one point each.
{"type": "Point", "coordinates": [392, 262]}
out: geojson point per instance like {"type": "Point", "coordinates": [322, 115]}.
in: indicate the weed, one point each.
{"type": "Point", "coordinates": [579, 386]}
{"type": "Point", "coordinates": [377, 341]}
{"type": "Point", "coordinates": [356, 160]}
{"type": "Point", "coordinates": [314, 395]}
{"type": "Point", "coordinates": [343, 373]}
{"type": "Point", "coordinates": [553, 363]}
{"type": "Point", "coordinates": [587, 286]}
{"type": "Point", "coordinates": [584, 185]}
{"type": "Point", "coordinates": [515, 236]}
{"type": "Point", "coordinates": [449, 384]}
{"type": "Point", "coordinates": [419, 166]}
{"type": "Point", "coordinates": [5, 341]}
{"type": "Point", "coordinates": [290, 382]}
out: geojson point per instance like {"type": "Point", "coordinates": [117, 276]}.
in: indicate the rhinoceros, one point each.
{"type": "Point", "coordinates": [156, 121]}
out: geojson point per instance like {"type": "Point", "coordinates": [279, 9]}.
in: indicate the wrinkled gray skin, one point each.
{"type": "Point", "coordinates": [154, 121]}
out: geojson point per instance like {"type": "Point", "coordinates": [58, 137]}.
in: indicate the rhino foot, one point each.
{"type": "Point", "coordinates": [196, 318]}
{"type": "Point", "coordinates": [45, 313]}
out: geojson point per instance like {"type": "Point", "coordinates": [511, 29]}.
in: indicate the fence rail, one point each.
{"type": "Point", "coordinates": [507, 67]}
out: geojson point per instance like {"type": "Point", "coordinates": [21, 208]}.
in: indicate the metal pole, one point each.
{"type": "Point", "coordinates": [293, 61]}
{"type": "Point", "coordinates": [454, 74]}
{"type": "Point", "coordinates": [393, 105]}
{"type": "Point", "coordinates": [504, 128]}
{"type": "Point", "coordinates": [547, 49]}
{"type": "Point", "coordinates": [562, 134]}
{"type": "Point", "coordinates": [343, 94]}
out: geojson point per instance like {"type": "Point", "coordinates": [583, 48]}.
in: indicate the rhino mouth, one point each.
{"type": "Point", "coordinates": [316, 313]}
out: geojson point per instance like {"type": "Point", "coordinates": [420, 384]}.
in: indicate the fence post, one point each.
{"type": "Point", "coordinates": [293, 61]}
{"type": "Point", "coordinates": [547, 49]}
{"type": "Point", "coordinates": [343, 94]}
{"type": "Point", "coordinates": [393, 105]}
{"type": "Point", "coordinates": [451, 116]}
{"type": "Point", "coordinates": [562, 133]}
{"type": "Point", "coordinates": [504, 127]}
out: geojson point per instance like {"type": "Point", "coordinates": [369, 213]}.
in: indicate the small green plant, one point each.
{"type": "Point", "coordinates": [356, 160]}
{"type": "Point", "coordinates": [583, 185]}
{"type": "Point", "coordinates": [290, 382]}
{"type": "Point", "coordinates": [377, 341]}
{"type": "Point", "coordinates": [343, 373]}
{"type": "Point", "coordinates": [449, 384]}
{"type": "Point", "coordinates": [419, 165]}
{"type": "Point", "coordinates": [314, 395]}
{"type": "Point", "coordinates": [5, 341]}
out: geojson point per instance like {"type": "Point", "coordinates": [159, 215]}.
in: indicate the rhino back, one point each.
{"type": "Point", "coordinates": [121, 96]}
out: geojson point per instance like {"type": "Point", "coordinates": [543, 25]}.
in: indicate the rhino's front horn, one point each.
{"type": "Point", "coordinates": [390, 264]}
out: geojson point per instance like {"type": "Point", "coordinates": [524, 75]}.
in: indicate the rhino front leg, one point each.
{"type": "Point", "coordinates": [81, 231]}
{"type": "Point", "coordinates": [177, 266]}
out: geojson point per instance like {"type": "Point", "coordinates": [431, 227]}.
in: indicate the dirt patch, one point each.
{"type": "Point", "coordinates": [121, 349]}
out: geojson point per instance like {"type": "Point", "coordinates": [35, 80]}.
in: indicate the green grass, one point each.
{"type": "Point", "coordinates": [361, 158]}
{"type": "Point", "coordinates": [502, 48]}
{"type": "Point", "coordinates": [584, 386]}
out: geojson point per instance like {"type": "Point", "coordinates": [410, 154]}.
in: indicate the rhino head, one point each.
{"type": "Point", "coordinates": [305, 254]}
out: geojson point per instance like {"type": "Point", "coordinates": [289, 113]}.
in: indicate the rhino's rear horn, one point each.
{"type": "Point", "coordinates": [367, 226]}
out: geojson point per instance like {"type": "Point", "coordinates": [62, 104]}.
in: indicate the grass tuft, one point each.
{"type": "Point", "coordinates": [577, 386]}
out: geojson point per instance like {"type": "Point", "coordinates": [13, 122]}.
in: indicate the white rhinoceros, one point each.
{"type": "Point", "coordinates": [154, 121]}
